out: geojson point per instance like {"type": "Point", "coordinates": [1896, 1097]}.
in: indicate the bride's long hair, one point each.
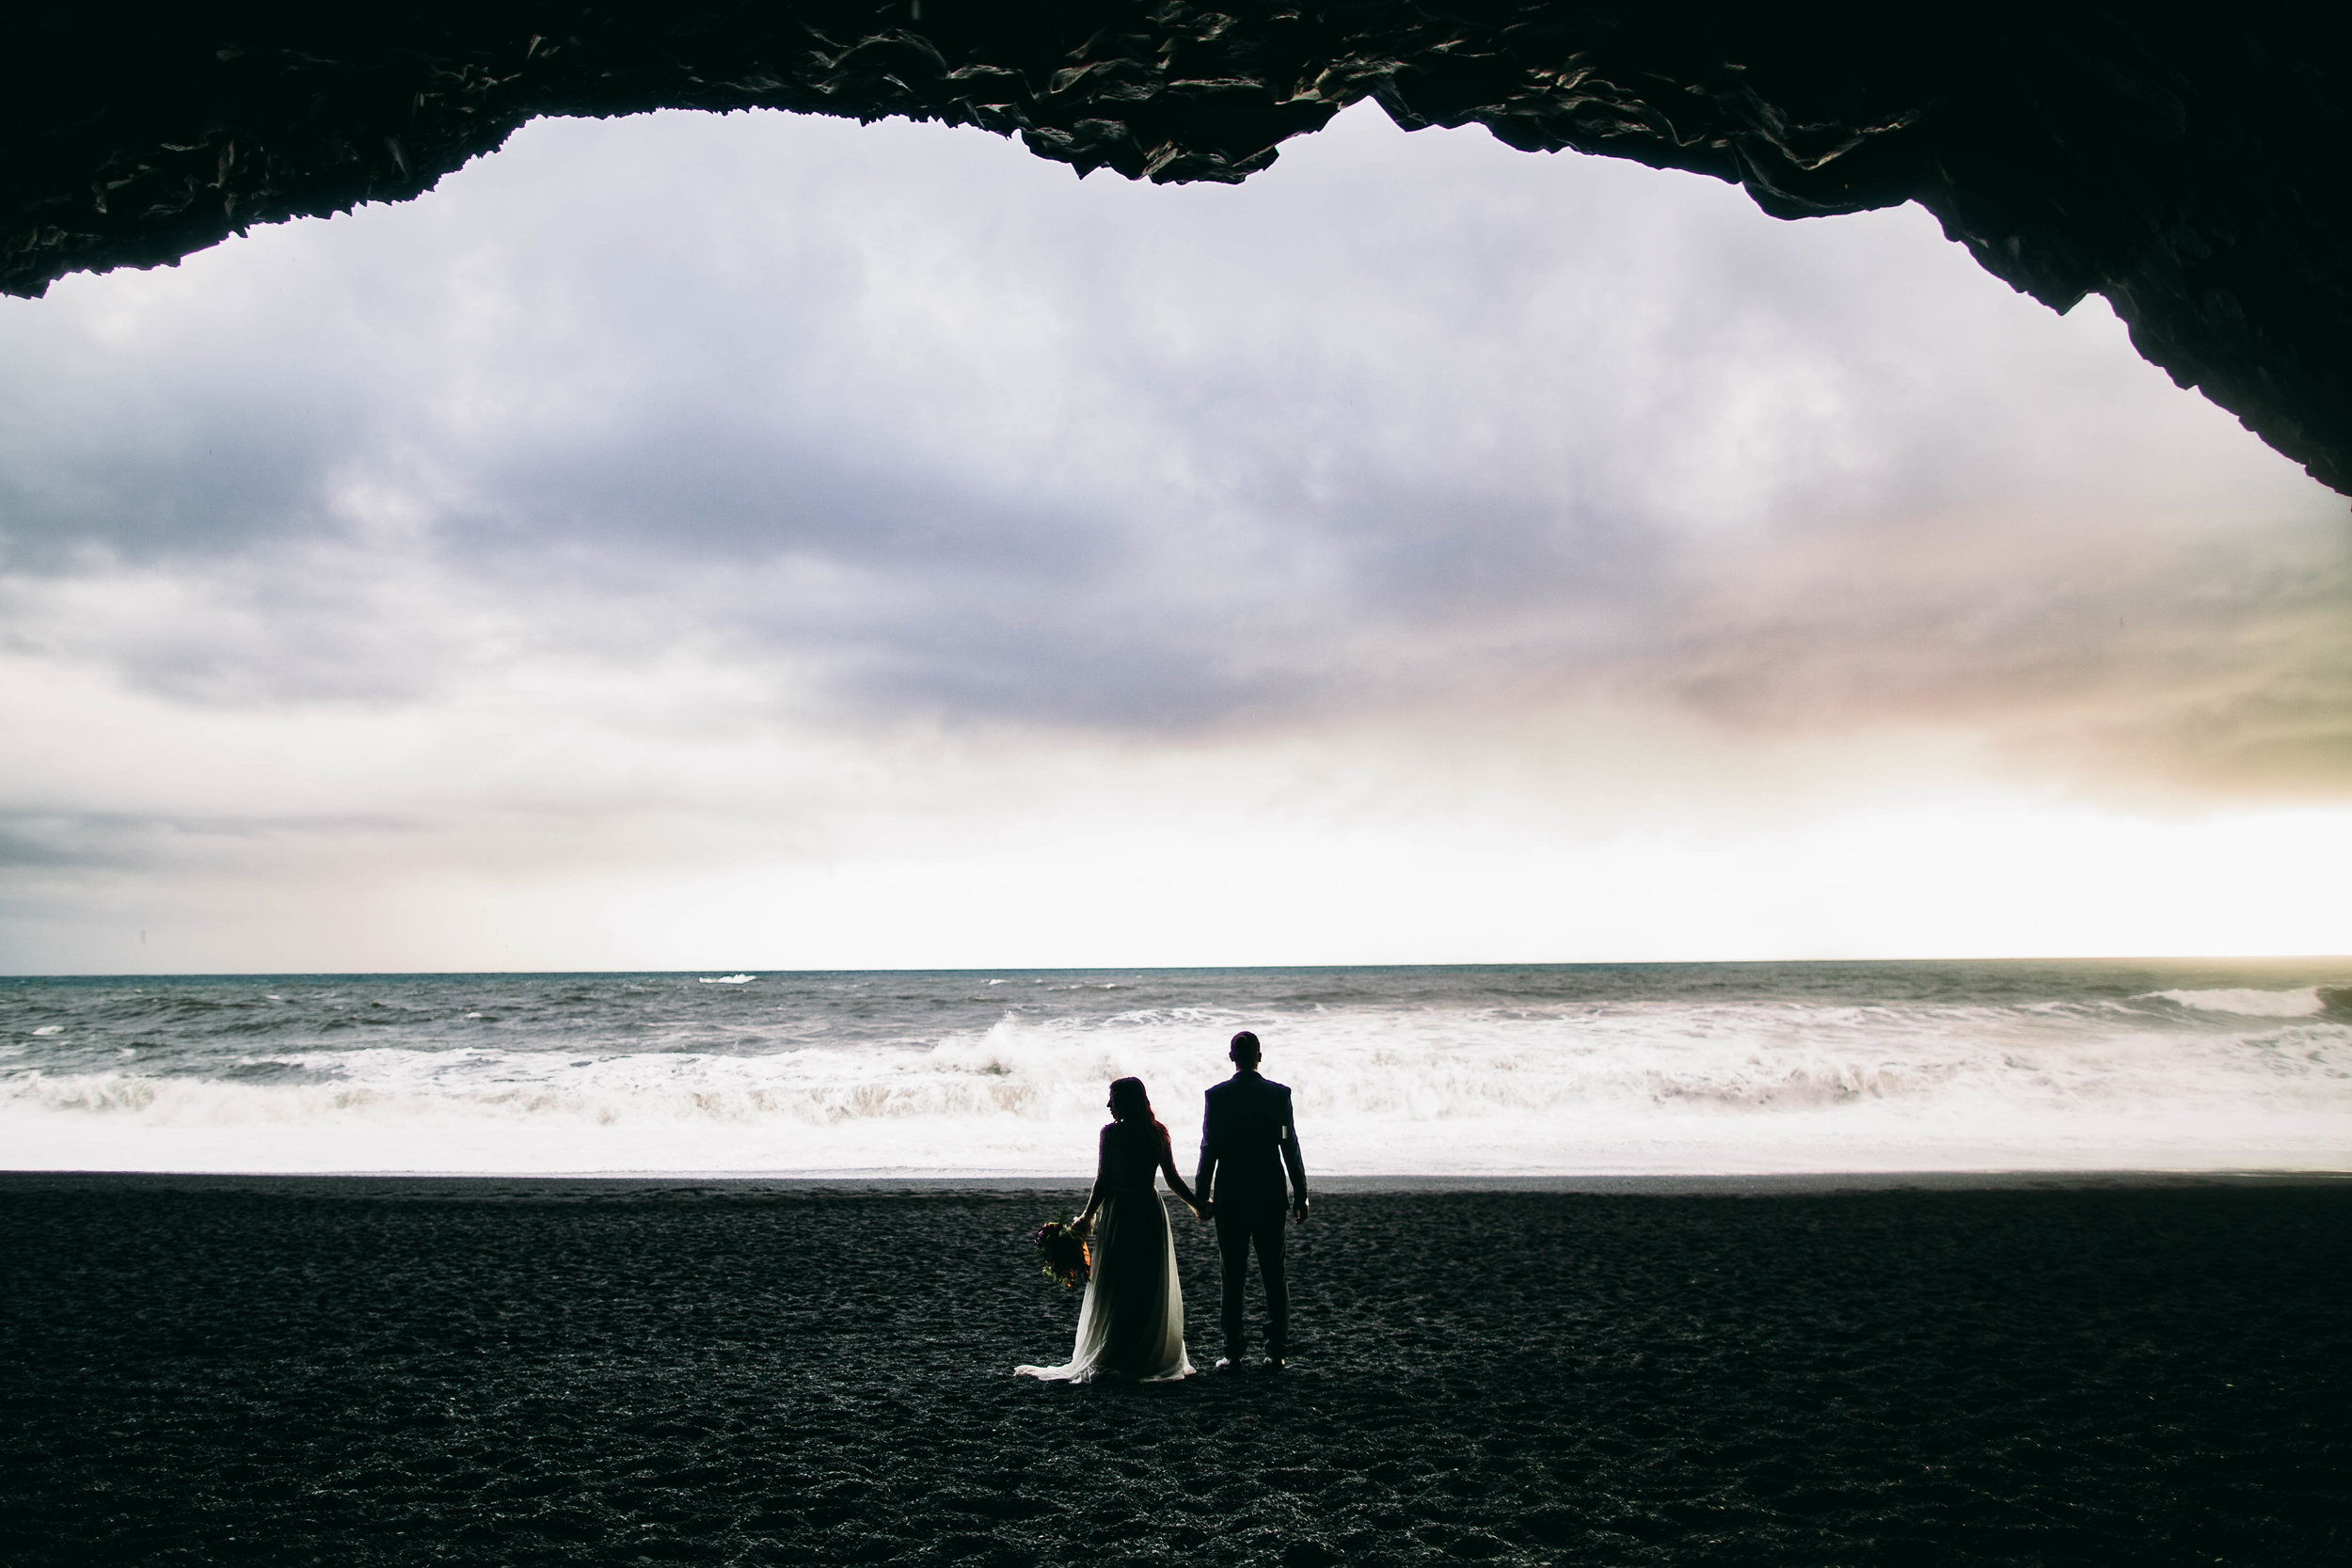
{"type": "Point", "coordinates": [1131, 1103]}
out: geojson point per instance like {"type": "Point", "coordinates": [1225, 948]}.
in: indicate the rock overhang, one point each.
{"type": "Point", "coordinates": [2181, 160]}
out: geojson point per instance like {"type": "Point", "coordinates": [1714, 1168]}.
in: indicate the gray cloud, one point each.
{"type": "Point", "coordinates": [694, 483]}
{"type": "Point", "coordinates": [153, 478]}
{"type": "Point", "coordinates": [114, 841]}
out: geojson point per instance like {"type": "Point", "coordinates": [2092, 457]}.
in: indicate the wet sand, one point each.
{"type": "Point", "coordinates": [360, 1371]}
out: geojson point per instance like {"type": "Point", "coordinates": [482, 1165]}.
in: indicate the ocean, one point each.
{"type": "Point", "coordinates": [1551, 1070]}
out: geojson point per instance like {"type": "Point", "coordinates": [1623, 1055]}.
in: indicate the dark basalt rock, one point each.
{"type": "Point", "coordinates": [2185, 161]}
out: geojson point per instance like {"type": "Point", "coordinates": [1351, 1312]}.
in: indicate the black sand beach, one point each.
{"type": "Point", "coordinates": [342, 1370]}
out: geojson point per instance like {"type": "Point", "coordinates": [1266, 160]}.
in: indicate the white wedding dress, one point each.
{"type": "Point", "coordinates": [1132, 1323]}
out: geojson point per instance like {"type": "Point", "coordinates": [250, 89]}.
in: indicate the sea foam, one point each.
{"type": "Point", "coordinates": [958, 1076]}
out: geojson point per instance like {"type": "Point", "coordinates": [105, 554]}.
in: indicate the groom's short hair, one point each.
{"type": "Point", "coordinates": [1246, 1041]}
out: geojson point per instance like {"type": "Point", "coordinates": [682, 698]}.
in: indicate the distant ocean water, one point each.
{"type": "Point", "coordinates": [1535, 1070]}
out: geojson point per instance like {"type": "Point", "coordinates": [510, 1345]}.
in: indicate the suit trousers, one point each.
{"type": "Point", "coordinates": [1241, 1227]}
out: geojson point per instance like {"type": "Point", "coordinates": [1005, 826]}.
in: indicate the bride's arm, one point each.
{"type": "Point", "coordinates": [1101, 1178]}
{"type": "Point", "coordinates": [1176, 1183]}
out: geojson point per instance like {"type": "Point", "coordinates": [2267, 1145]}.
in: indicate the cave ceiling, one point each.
{"type": "Point", "coordinates": [2185, 161]}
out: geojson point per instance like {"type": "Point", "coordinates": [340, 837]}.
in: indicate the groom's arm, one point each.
{"type": "Point", "coordinates": [1291, 1159]}
{"type": "Point", "coordinates": [1208, 1150]}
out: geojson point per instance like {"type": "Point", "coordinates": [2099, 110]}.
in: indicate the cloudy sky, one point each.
{"type": "Point", "coordinates": [769, 542]}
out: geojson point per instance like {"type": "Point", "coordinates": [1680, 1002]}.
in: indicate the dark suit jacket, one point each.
{"type": "Point", "coordinates": [1246, 1141]}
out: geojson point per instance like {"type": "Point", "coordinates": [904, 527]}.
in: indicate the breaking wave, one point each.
{"type": "Point", "coordinates": [980, 1075]}
{"type": "Point", "coordinates": [2301, 1002]}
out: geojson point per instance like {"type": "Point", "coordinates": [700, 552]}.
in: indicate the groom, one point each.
{"type": "Point", "coordinates": [1246, 1142]}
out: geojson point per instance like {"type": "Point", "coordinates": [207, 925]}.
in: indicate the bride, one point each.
{"type": "Point", "coordinates": [1133, 1321]}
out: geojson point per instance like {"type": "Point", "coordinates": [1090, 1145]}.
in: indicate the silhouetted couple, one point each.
{"type": "Point", "coordinates": [1132, 1323]}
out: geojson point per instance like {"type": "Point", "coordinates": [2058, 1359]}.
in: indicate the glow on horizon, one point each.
{"type": "Point", "coordinates": [1237, 858]}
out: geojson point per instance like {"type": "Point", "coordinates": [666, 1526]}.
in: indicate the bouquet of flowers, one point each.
{"type": "Point", "coordinates": [1063, 1256]}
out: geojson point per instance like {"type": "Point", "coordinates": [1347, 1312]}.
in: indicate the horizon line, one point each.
{"type": "Point", "coordinates": [758, 972]}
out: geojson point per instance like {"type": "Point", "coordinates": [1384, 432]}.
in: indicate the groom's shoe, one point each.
{"type": "Point", "coordinates": [1230, 1364]}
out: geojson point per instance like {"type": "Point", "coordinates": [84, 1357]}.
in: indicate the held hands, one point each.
{"type": "Point", "coordinates": [1298, 1210]}
{"type": "Point", "coordinates": [1082, 1227]}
